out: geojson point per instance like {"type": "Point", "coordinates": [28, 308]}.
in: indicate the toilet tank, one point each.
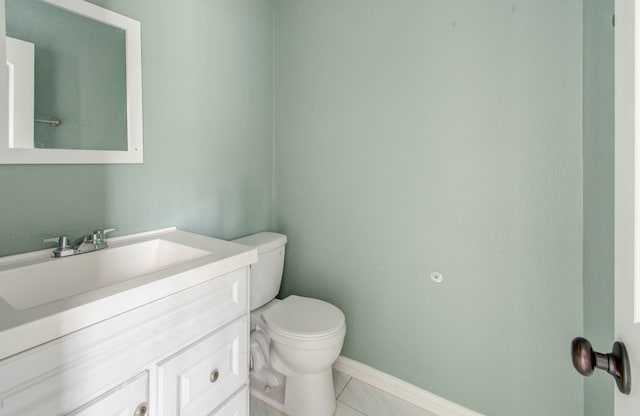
{"type": "Point", "coordinates": [266, 274]}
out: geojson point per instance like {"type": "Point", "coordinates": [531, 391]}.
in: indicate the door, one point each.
{"type": "Point", "coordinates": [627, 199]}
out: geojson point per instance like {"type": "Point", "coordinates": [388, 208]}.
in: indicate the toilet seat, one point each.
{"type": "Point", "coordinates": [304, 319]}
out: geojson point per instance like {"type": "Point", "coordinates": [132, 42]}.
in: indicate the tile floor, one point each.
{"type": "Point", "coordinates": [355, 398]}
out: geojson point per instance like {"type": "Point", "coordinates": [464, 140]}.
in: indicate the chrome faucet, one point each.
{"type": "Point", "coordinates": [85, 244]}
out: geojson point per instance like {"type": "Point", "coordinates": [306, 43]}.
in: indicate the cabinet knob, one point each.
{"type": "Point", "coordinates": [141, 410]}
{"type": "Point", "coordinates": [213, 377]}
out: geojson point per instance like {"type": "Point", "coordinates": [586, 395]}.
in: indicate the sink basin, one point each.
{"type": "Point", "coordinates": [54, 279]}
{"type": "Point", "coordinates": [44, 298]}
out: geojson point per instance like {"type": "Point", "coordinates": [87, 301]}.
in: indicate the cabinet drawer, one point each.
{"type": "Point", "coordinates": [199, 378]}
{"type": "Point", "coordinates": [124, 400]}
{"type": "Point", "coordinates": [237, 406]}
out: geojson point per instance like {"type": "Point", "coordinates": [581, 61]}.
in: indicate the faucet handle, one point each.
{"type": "Point", "coordinates": [63, 249]}
{"type": "Point", "coordinates": [63, 241]}
{"type": "Point", "coordinates": [99, 235]}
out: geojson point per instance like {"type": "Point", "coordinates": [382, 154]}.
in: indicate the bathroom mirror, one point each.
{"type": "Point", "coordinates": [71, 89]}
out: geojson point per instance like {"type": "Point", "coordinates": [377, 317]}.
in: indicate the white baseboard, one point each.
{"type": "Point", "coordinates": [399, 388]}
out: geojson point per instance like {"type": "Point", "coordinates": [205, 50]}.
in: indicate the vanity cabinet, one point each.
{"type": "Point", "coordinates": [185, 354]}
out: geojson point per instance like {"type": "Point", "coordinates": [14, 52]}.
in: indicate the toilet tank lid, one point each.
{"type": "Point", "coordinates": [264, 241]}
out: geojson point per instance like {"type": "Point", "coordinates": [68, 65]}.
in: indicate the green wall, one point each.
{"type": "Point", "coordinates": [419, 136]}
{"type": "Point", "coordinates": [207, 91]}
{"type": "Point", "coordinates": [598, 127]}
{"type": "Point", "coordinates": [410, 137]}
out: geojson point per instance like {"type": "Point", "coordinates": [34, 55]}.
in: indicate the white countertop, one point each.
{"type": "Point", "coordinates": [24, 329]}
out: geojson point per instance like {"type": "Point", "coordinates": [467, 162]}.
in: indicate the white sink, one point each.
{"type": "Point", "coordinates": [44, 298]}
{"type": "Point", "coordinates": [54, 279]}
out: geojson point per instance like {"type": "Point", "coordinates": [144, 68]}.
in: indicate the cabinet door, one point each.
{"type": "Point", "coordinates": [199, 378]}
{"type": "Point", "coordinates": [128, 399]}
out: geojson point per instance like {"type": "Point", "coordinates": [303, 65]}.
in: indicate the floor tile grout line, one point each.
{"type": "Point", "coordinates": [383, 391]}
{"type": "Point", "coordinates": [387, 393]}
{"type": "Point", "coordinates": [354, 409]}
{"type": "Point", "coordinates": [344, 388]}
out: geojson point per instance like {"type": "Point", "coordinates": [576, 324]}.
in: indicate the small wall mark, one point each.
{"type": "Point", "coordinates": [437, 277]}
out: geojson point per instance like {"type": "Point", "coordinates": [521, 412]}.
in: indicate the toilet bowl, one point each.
{"type": "Point", "coordinates": [294, 341]}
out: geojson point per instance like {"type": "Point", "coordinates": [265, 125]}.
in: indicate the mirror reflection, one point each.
{"type": "Point", "coordinates": [67, 78]}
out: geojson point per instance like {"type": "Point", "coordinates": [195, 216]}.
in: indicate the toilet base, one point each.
{"type": "Point", "coordinates": [310, 394]}
{"type": "Point", "coordinates": [301, 394]}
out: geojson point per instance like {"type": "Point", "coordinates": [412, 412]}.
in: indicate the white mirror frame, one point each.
{"type": "Point", "coordinates": [133, 154]}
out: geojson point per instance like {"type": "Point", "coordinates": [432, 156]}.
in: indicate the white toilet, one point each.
{"type": "Point", "coordinates": [294, 341]}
